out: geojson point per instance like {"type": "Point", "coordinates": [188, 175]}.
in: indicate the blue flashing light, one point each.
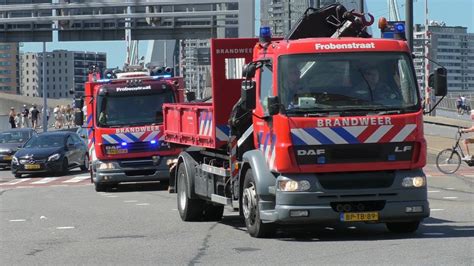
{"type": "Point", "coordinates": [265, 34]}
{"type": "Point", "coordinates": [161, 76]}
{"type": "Point", "coordinates": [153, 141]}
{"type": "Point", "coordinates": [103, 81]}
{"type": "Point", "coordinates": [124, 144]}
{"type": "Point", "coordinates": [399, 27]}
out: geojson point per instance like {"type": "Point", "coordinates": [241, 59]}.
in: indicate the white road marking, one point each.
{"type": "Point", "coordinates": [18, 220]}
{"type": "Point", "coordinates": [433, 234]}
{"type": "Point", "coordinates": [14, 182]}
{"type": "Point", "coordinates": [351, 227]}
{"type": "Point", "coordinates": [76, 179]}
{"type": "Point", "coordinates": [65, 227]}
{"type": "Point", "coordinates": [25, 187]}
{"type": "Point", "coordinates": [450, 197]}
{"type": "Point", "coordinates": [450, 188]}
{"type": "Point", "coordinates": [130, 201]}
{"type": "Point", "coordinates": [436, 210]}
{"type": "Point", "coordinates": [143, 204]}
{"type": "Point", "coordinates": [433, 191]}
{"type": "Point", "coordinates": [44, 180]}
{"type": "Point", "coordinates": [329, 228]}
{"type": "Point", "coordinates": [111, 196]}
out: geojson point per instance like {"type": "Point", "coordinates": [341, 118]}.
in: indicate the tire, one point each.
{"type": "Point", "coordinates": [85, 166]}
{"type": "Point", "coordinates": [255, 226]}
{"type": "Point", "coordinates": [189, 209]}
{"type": "Point", "coordinates": [213, 212]}
{"type": "Point", "coordinates": [17, 175]}
{"type": "Point", "coordinates": [65, 167]}
{"type": "Point", "coordinates": [403, 227]}
{"type": "Point", "coordinates": [100, 187]}
{"type": "Point", "coordinates": [448, 161]}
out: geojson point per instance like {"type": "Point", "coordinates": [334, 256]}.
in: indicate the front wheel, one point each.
{"type": "Point", "coordinates": [85, 164]}
{"type": "Point", "coordinates": [189, 209]}
{"type": "Point", "coordinates": [100, 187]}
{"type": "Point", "coordinates": [448, 161]}
{"type": "Point", "coordinates": [403, 227]}
{"type": "Point", "coordinates": [255, 226]}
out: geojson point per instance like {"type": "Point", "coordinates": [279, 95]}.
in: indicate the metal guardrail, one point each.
{"type": "Point", "coordinates": [449, 102]}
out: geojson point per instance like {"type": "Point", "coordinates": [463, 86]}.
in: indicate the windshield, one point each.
{"type": "Point", "coordinates": [45, 141]}
{"type": "Point", "coordinates": [347, 82]}
{"type": "Point", "coordinates": [125, 110]}
{"type": "Point", "coordinates": [14, 137]}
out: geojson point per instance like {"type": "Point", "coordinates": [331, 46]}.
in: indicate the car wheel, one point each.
{"type": "Point", "coordinates": [65, 166]}
{"type": "Point", "coordinates": [85, 164]}
{"type": "Point", "coordinates": [17, 175]}
{"type": "Point", "coordinates": [100, 187]}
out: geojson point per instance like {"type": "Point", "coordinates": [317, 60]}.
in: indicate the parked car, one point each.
{"type": "Point", "coordinates": [56, 152]}
{"type": "Point", "coordinates": [11, 141]}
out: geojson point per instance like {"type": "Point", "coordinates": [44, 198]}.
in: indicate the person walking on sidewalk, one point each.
{"type": "Point", "coordinates": [11, 117]}
{"type": "Point", "coordinates": [468, 140]}
{"type": "Point", "coordinates": [24, 117]}
{"type": "Point", "coordinates": [34, 117]}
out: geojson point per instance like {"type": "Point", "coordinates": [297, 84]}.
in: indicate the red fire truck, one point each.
{"type": "Point", "coordinates": [311, 136]}
{"type": "Point", "coordinates": [124, 121]}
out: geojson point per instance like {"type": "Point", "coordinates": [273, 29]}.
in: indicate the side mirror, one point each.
{"type": "Point", "coordinates": [190, 96]}
{"type": "Point", "coordinates": [248, 70]}
{"type": "Point", "coordinates": [248, 94]}
{"type": "Point", "coordinates": [79, 103]}
{"type": "Point", "coordinates": [79, 118]}
{"type": "Point", "coordinates": [273, 104]}
{"type": "Point", "coordinates": [440, 83]}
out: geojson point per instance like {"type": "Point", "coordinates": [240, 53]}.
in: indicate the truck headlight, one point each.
{"type": "Point", "coordinates": [417, 181]}
{"type": "Point", "coordinates": [54, 157]}
{"type": "Point", "coordinates": [293, 185]}
{"type": "Point", "coordinates": [106, 166]}
{"type": "Point", "coordinates": [14, 160]}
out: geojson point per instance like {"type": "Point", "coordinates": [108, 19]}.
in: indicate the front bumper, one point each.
{"type": "Point", "coordinates": [5, 159]}
{"type": "Point", "coordinates": [390, 203]}
{"type": "Point", "coordinates": [136, 170]}
{"type": "Point", "coordinates": [44, 167]}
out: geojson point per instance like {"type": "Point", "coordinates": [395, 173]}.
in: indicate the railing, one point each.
{"type": "Point", "coordinates": [449, 102]}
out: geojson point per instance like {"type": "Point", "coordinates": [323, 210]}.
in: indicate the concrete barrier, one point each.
{"type": "Point", "coordinates": [17, 102]}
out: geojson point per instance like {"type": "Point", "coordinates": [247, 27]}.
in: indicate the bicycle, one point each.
{"type": "Point", "coordinates": [448, 161]}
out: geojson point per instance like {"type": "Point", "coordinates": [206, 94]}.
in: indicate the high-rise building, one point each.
{"type": "Point", "coordinates": [452, 47]}
{"type": "Point", "coordinates": [65, 71]}
{"type": "Point", "coordinates": [9, 68]}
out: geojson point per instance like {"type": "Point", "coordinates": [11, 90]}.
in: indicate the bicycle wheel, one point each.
{"type": "Point", "coordinates": [448, 161]}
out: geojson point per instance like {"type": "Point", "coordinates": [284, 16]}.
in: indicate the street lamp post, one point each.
{"type": "Point", "coordinates": [45, 99]}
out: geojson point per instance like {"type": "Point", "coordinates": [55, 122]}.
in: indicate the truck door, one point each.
{"type": "Point", "coordinates": [263, 124]}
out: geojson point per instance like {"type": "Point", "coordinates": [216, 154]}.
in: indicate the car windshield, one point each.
{"type": "Point", "coordinates": [347, 82]}
{"type": "Point", "coordinates": [14, 137]}
{"type": "Point", "coordinates": [45, 141]}
{"type": "Point", "coordinates": [118, 110]}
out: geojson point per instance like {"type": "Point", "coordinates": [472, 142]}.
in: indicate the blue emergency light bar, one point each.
{"type": "Point", "coordinates": [399, 28]}
{"type": "Point", "coordinates": [265, 34]}
{"type": "Point", "coordinates": [153, 141]}
{"type": "Point", "coordinates": [124, 144]}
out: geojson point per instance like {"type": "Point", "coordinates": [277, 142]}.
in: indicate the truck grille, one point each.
{"type": "Point", "coordinates": [359, 180]}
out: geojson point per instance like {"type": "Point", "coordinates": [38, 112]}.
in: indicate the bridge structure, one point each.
{"type": "Point", "coordinates": [79, 20]}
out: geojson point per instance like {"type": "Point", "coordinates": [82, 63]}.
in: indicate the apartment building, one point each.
{"type": "Point", "coordinates": [9, 68]}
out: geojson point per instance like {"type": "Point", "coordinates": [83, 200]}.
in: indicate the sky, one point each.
{"type": "Point", "coordinates": [452, 12]}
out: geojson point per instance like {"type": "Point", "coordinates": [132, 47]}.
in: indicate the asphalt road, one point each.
{"type": "Point", "coordinates": [64, 221]}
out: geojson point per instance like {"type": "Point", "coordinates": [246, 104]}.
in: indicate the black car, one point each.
{"type": "Point", "coordinates": [11, 141]}
{"type": "Point", "coordinates": [56, 151]}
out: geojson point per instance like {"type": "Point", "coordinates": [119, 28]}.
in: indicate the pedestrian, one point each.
{"type": "Point", "coordinates": [468, 140]}
{"type": "Point", "coordinates": [34, 117]}
{"type": "Point", "coordinates": [459, 104]}
{"type": "Point", "coordinates": [11, 117]}
{"type": "Point", "coordinates": [24, 117]}
{"type": "Point", "coordinates": [463, 104]}
{"type": "Point", "coordinates": [18, 120]}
